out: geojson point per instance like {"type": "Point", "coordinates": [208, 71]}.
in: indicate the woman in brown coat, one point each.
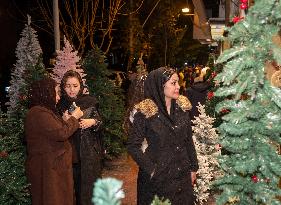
{"type": "Point", "coordinates": [49, 159]}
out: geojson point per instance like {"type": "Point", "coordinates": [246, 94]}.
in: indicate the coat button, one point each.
{"type": "Point", "coordinates": [177, 148]}
{"type": "Point", "coordinates": [179, 168]}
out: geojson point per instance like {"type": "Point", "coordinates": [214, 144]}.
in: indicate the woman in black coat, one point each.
{"type": "Point", "coordinates": [168, 165]}
{"type": "Point", "coordinates": [86, 141]}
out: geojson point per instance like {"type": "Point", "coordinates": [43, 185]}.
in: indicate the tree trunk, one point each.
{"type": "Point", "coordinates": [56, 24]}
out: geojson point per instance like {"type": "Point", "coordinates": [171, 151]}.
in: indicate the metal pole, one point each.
{"type": "Point", "coordinates": [56, 24]}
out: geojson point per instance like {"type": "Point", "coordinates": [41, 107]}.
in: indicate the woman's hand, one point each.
{"type": "Point", "coordinates": [77, 113]}
{"type": "Point", "coordinates": [86, 123]}
{"type": "Point", "coordinates": [193, 178]}
{"type": "Point", "coordinates": [66, 116]}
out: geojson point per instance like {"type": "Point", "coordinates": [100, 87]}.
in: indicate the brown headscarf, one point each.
{"type": "Point", "coordinates": [43, 93]}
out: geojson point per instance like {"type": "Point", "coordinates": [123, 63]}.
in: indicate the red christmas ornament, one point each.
{"type": "Point", "coordinates": [214, 74]}
{"type": "Point", "coordinates": [255, 179]}
{"type": "Point", "coordinates": [244, 1]}
{"type": "Point", "coordinates": [210, 95]}
{"type": "Point", "coordinates": [243, 6]}
{"type": "Point", "coordinates": [224, 111]}
{"type": "Point", "coordinates": [22, 97]}
{"type": "Point", "coordinates": [3, 154]}
{"type": "Point", "coordinates": [236, 19]}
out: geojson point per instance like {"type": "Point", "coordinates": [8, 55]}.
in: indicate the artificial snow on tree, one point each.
{"type": "Point", "coordinates": [252, 128]}
{"type": "Point", "coordinates": [108, 191]}
{"type": "Point", "coordinates": [157, 201]}
{"type": "Point", "coordinates": [110, 98]}
{"type": "Point", "coordinates": [205, 138]}
{"type": "Point", "coordinates": [68, 59]}
{"type": "Point", "coordinates": [28, 63]}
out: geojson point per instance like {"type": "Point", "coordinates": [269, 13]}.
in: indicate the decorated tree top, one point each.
{"type": "Point", "coordinates": [29, 63]}
{"type": "Point", "coordinates": [67, 59]}
{"type": "Point", "coordinates": [28, 48]}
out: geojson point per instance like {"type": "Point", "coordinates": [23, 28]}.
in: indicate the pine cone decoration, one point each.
{"type": "Point", "coordinates": [276, 79]}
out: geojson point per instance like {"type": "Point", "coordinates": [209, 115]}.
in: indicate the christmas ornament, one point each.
{"type": "Point", "coordinates": [255, 179]}
{"type": "Point", "coordinates": [210, 95]}
{"type": "Point", "coordinates": [243, 6]}
{"type": "Point", "coordinates": [22, 97]}
{"type": "Point", "coordinates": [214, 74]}
{"type": "Point", "coordinates": [244, 1]}
{"type": "Point", "coordinates": [236, 19]}
{"type": "Point", "coordinates": [224, 111]}
{"type": "Point", "coordinates": [276, 79]}
{"type": "Point", "coordinates": [3, 154]}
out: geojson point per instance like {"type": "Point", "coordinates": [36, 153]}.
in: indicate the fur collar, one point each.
{"type": "Point", "coordinates": [149, 108]}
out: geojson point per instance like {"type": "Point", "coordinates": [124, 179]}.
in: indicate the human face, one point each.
{"type": "Point", "coordinates": [172, 88]}
{"type": "Point", "coordinates": [57, 89]}
{"type": "Point", "coordinates": [72, 87]}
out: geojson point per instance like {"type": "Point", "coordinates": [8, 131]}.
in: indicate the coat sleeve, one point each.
{"type": "Point", "coordinates": [136, 137]}
{"type": "Point", "coordinates": [95, 115]}
{"type": "Point", "coordinates": [55, 129]}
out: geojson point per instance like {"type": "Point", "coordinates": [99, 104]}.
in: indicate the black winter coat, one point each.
{"type": "Point", "coordinates": [87, 151]}
{"type": "Point", "coordinates": [170, 154]}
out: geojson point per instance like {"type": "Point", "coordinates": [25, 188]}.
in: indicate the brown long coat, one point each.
{"type": "Point", "coordinates": [49, 159]}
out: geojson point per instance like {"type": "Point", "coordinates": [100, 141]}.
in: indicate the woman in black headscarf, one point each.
{"type": "Point", "coordinates": [168, 165]}
{"type": "Point", "coordinates": [86, 141]}
{"type": "Point", "coordinates": [49, 155]}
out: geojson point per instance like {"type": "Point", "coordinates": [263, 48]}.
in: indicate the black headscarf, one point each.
{"type": "Point", "coordinates": [43, 93]}
{"type": "Point", "coordinates": [154, 89]}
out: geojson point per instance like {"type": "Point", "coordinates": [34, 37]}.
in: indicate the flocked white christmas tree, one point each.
{"type": "Point", "coordinates": [205, 140]}
{"type": "Point", "coordinates": [28, 52]}
{"type": "Point", "coordinates": [68, 59]}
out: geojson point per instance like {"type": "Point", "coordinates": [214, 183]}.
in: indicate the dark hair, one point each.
{"type": "Point", "coordinates": [43, 93]}
{"type": "Point", "coordinates": [71, 74]}
{"type": "Point", "coordinates": [167, 73]}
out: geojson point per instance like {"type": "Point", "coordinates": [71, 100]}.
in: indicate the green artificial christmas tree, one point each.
{"type": "Point", "coordinates": [213, 100]}
{"type": "Point", "coordinates": [252, 128]}
{"type": "Point", "coordinates": [111, 100]}
{"type": "Point", "coordinates": [28, 68]}
{"type": "Point", "coordinates": [13, 183]}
